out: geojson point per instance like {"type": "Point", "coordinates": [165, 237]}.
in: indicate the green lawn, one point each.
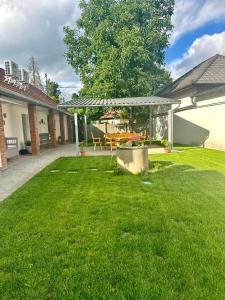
{"type": "Point", "coordinates": [101, 235]}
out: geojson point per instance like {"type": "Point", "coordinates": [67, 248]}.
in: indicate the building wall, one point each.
{"type": "Point", "coordinates": [42, 116]}
{"type": "Point", "coordinates": [160, 124]}
{"type": "Point", "coordinates": [14, 126]}
{"type": "Point", "coordinates": [201, 126]}
{"type": "Point", "coordinates": [13, 121]}
{"type": "Point", "coordinates": [66, 127]}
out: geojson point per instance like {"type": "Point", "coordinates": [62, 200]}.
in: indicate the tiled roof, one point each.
{"type": "Point", "coordinates": [210, 71]}
{"type": "Point", "coordinates": [31, 92]}
{"type": "Point", "coordinates": [110, 115]}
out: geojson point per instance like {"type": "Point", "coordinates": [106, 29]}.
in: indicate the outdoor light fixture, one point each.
{"type": "Point", "coordinates": [42, 121]}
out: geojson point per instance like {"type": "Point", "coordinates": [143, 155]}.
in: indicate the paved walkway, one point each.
{"type": "Point", "coordinates": [21, 170]}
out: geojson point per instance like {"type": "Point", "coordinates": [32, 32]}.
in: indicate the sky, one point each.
{"type": "Point", "coordinates": [35, 27]}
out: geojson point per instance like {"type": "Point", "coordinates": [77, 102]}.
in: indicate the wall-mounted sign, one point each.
{"type": "Point", "coordinates": [15, 82]}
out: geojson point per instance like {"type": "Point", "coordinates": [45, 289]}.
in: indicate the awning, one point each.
{"type": "Point", "coordinates": [121, 102]}
{"type": "Point", "coordinates": [117, 102]}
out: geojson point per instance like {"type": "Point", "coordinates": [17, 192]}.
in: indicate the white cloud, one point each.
{"type": "Point", "coordinates": [192, 14]}
{"type": "Point", "coordinates": [34, 27]}
{"type": "Point", "coordinates": [201, 49]}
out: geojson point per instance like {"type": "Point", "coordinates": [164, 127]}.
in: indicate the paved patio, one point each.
{"type": "Point", "coordinates": [21, 170]}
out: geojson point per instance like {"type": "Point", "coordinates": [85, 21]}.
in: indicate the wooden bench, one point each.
{"type": "Point", "coordinates": [44, 139]}
{"type": "Point", "coordinates": [12, 149]}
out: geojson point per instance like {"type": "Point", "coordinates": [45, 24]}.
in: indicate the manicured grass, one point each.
{"type": "Point", "coordinates": [101, 235]}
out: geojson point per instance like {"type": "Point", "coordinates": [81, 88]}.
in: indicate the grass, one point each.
{"type": "Point", "coordinates": [93, 234]}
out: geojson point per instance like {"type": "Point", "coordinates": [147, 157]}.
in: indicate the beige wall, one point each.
{"type": "Point", "coordinates": [201, 126]}
{"type": "Point", "coordinates": [99, 129]}
{"type": "Point", "coordinates": [13, 121]}
{"type": "Point", "coordinates": [42, 114]}
{"type": "Point", "coordinates": [66, 127]}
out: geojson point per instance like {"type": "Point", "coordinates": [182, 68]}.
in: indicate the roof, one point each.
{"type": "Point", "coordinates": [110, 115]}
{"type": "Point", "coordinates": [31, 94]}
{"type": "Point", "coordinates": [118, 102]}
{"type": "Point", "coordinates": [210, 71]}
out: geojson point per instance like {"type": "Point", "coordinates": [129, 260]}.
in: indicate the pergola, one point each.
{"type": "Point", "coordinates": [123, 102]}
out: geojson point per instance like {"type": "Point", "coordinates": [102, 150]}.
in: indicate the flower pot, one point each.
{"type": "Point", "coordinates": [82, 153]}
{"type": "Point", "coordinates": [133, 159]}
{"type": "Point", "coordinates": [29, 149]}
{"type": "Point", "coordinates": [167, 150]}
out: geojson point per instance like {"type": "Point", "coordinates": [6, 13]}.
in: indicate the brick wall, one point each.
{"type": "Point", "coordinates": [2, 142]}
{"type": "Point", "coordinates": [34, 134]}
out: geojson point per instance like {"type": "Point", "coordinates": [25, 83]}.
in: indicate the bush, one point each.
{"type": "Point", "coordinates": [164, 143]}
{"type": "Point", "coordinates": [28, 143]}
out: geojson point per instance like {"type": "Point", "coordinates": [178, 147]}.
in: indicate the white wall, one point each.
{"type": "Point", "coordinates": [201, 126]}
{"type": "Point", "coordinates": [42, 118]}
{"type": "Point", "coordinates": [14, 126]}
{"type": "Point", "coordinates": [13, 121]}
{"type": "Point", "coordinates": [66, 127]}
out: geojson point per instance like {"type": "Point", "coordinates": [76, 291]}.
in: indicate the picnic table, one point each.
{"type": "Point", "coordinates": [115, 139]}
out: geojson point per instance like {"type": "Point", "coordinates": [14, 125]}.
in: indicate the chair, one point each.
{"type": "Point", "coordinates": [96, 141]}
{"type": "Point", "coordinates": [112, 140]}
{"type": "Point", "coordinates": [12, 149]}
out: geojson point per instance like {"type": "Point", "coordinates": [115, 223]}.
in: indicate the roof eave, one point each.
{"type": "Point", "coordinates": [26, 99]}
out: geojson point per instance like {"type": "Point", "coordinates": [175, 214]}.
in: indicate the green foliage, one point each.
{"type": "Point", "coordinates": [164, 143]}
{"type": "Point", "coordinates": [52, 90]}
{"type": "Point", "coordinates": [118, 46]}
{"type": "Point", "coordinates": [27, 143]}
{"type": "Point", "coordinates": [75, 96]}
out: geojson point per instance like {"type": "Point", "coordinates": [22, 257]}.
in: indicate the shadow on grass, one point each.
{"type": "Point", "coordinates": [156, 166]}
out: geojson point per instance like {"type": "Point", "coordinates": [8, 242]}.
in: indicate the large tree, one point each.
{"type": "Point", "coordinates": [52, 90]}
{"type": "Point", "coordinates": [118, 46]}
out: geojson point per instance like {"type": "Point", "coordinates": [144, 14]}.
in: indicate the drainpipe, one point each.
{"type": "Point", "coordinates": [194, 101]}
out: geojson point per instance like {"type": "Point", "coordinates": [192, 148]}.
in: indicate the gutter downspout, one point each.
{"type": "Point", "coordinates": [194, 101]}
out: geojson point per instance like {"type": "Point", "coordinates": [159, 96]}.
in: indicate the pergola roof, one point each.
{"type": "Point", "coordinates": [117, 102]}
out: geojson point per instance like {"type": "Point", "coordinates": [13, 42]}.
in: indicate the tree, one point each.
{"type": "Point", "coordinates": [118, 47]}
{"type": "Point", "coordinates": [75, 96]}
{"type": "Point", "coordinates": [34, 74]}
{"type": "Point", "coordinates": [52, 90]}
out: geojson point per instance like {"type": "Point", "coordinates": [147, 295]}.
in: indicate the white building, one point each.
{"type": "Point", "coordinates": [200, 119]}
{"type": "Point", "coordinates": [26, 113]}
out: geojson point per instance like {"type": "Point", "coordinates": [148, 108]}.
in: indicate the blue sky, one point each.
{"type": "Point", "coordinates": [199, 33]}
{"type": "Point", "coordinates": [181, 46]}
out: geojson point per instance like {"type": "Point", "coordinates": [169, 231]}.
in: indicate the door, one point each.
{"type": "Point", "coordinates": [25, 123]}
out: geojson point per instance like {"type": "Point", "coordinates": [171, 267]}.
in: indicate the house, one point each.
{"type": "Point", "coordinates": [27, 113]}
{"type": "Point", "coordinates": [111, 117]}
{"type": "Point", "coordinates": [200, 119]}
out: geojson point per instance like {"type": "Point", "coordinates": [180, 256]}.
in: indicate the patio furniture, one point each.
{"type": "Point", "coordinates": [12, 148]}
{"type": "Point", "coordinates": [44, 139]}
{"type": "Point", "coordinates": [112, 141]}
{"type": "Point", "coordinates": [116, 139]}
{"type": "Point", "coordinates": [97, 141]}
